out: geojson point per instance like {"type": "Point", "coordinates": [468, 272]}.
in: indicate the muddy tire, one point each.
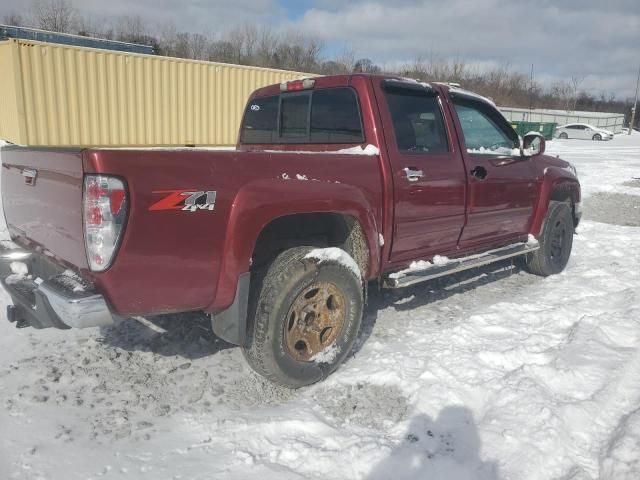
{"type": "Point", "coordinates": [307, 316]}
{"type": "Point", "coordinates": [556, 241]}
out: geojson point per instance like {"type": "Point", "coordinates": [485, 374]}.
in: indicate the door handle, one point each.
{"type": "Point", "coordinates": [413, 174]}
{"type": "Point", "coordinates": [479, 172]}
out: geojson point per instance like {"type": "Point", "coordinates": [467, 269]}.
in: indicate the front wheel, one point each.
{"type": "Point", "coordinates": [308, 309]}
{"type": "Point", "coordinates": [555, 241]}
{"type": "Point", "coordinates": [597, 137]}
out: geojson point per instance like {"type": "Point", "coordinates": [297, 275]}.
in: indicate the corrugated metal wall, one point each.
{"type": "Point", "coordinates": [608, 121]}
{"type": "Point", "coordinates": [10, 126]}
{"type": "Point", "coordinates": [60, 95]}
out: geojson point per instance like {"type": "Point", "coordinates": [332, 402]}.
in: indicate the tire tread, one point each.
{"type": "Point", "coordinates": [536, 262]}
{"type": "Point", "coordinates": [262, 302]}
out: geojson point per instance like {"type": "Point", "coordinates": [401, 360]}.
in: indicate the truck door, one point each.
{"type": "Point", "coordinates": [502, 184]}
{"type": "Point", "coordinates": [428, 172]}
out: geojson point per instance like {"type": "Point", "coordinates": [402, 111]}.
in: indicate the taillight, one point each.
{"type": "Point", "coordinates": [105, 213]}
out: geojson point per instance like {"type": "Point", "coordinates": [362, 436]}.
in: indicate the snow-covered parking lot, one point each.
{"type": "Point", "coordinates": [493, 374]}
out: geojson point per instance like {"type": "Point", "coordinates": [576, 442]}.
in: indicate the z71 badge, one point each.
{"type": "Point", "coordinates": [185, 200]}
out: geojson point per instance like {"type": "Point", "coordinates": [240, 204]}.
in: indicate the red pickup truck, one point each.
{"type": "Point", "coordinates": [335, 182]}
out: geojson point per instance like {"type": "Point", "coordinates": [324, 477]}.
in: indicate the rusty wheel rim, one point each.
{"type": "Point", "coordinates": [314, 320]}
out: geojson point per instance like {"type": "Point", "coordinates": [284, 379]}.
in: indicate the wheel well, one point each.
{"type": "Point", "coordinates": [562, 193]}
{"type": "Point", "coordinates": [315, 229]}
{"type": "Point", "coordinates": [566, 193]}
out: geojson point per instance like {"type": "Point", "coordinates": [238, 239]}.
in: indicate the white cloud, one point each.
{"type": "Point", "coordinates": [593, 39]}
{"type": "Point", "coordinates": [562, 39]}
{"type": "Point", "coordinates": [188, 15]}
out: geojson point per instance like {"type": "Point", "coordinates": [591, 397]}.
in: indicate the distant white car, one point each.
{"type": "Point", "coordinates": [583, 131]}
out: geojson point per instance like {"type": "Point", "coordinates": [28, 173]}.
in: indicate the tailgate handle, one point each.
{"type": "Point", "coordinates": [29, 176]}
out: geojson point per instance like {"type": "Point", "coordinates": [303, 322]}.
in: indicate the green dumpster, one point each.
{"type": "Point", "coordinates": [546, 129]}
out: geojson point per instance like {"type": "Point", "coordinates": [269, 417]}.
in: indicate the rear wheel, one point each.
{"type": "Point", "coordinates": [307, 317]}
{"type": "Point", "coordinates": [555, 241]}
{"type": "Point", "coordinates": [563, 136]}
{"type": "Point", "coordinates": [597, 137]}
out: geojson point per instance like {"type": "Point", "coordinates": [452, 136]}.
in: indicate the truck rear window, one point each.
{"type": "Point", "coordinates": [261, 121]}
{"type": "Point", "coordinates": [294, 115]}
{"type": "Point", "coordinates": [316, 116]}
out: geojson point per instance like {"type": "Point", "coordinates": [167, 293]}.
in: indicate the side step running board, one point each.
{"type": "Point", "coordinates": [410, 275]}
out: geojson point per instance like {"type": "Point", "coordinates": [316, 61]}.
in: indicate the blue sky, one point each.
{"type": "Point", "coordinates": [296, 8]}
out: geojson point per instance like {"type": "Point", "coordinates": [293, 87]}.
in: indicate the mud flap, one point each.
{"type": "Point", "coordinates": [231, 324]}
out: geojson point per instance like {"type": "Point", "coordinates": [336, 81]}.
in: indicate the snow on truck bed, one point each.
{"type": "Point", "coordinates": [492, 374]}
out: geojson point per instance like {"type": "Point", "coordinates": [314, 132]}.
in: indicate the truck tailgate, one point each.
{"type": "Point", "coordinates": [42, 198]}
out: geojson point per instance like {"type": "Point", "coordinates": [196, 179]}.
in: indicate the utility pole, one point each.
{"type": "Point", "coordinates": [635, 104]}
{"type": "Point", "coordinates": [531, 93]}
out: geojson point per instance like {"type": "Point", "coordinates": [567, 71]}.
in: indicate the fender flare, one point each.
{"type": "Point", "coordinates": [554, 178]}
{"type": "Point", "coordinates": [251, 211]}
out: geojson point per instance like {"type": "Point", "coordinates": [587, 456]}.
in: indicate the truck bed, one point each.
{"type": "Point", "coordinates": [175, 257]}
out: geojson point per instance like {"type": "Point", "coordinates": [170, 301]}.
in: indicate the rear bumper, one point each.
{"type": "Point", "coordinates": [45, 296]}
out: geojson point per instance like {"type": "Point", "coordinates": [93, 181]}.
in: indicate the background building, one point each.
{"type": "Point", "coordinates": [59, 95]}
{"type": "Point", "coordinates": [608, 121]}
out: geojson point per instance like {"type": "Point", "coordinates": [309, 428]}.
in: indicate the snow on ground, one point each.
{"type": "Point", "coordinates": [493, 374]}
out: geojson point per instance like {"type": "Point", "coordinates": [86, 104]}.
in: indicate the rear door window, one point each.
{"type": "Point", "coordinates": [335, 117]}
{"type": "Point", "coordinates": [417, 121]}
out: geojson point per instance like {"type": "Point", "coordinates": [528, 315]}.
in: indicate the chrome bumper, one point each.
{"type": "Point", "coordinates": [41, 300]}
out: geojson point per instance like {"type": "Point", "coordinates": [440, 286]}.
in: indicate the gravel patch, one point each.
{"type": "Point", "coordinates": [613, 208]}
{"type": "Point", "coordinates": [361, 404]}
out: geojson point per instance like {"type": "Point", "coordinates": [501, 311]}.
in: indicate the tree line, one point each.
{"type": "Point", "coordinates": [264, 46]}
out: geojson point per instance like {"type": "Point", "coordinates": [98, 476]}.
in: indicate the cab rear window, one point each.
{"type": "Point", "coordinates": [314, 116]}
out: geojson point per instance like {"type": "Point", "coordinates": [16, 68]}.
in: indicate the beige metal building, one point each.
{"type": "Point", "coordinates": [60, 95]}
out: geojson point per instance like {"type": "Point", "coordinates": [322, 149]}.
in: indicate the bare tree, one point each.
{"type": "Point", "coordinates": [366, 65]}
{"type": "Point", "coordinates": [347, 59]}
{"type": "Point", "coordinates": [14, 19]}
{"type": "Point", "coordinates": [562, 92]}
{"type": "Point", "coordinates": [198, 46]}
{"type": "Point", "coordinates": [237, 40]}
{"type": "Point", "coordinates": [266, 47]}
{"type": "Point", "coordinates": [130, 28]}
{"type": "Point", "coordinates": [181, 46]}
{"type": "Point", "coordinates": [220, 51]}
{"type": "Point", "coordinates": [575, 83]}
{"type": "Point", "coordinates": [54, 15]}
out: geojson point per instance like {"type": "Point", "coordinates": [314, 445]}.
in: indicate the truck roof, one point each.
{"type": "Point", "coordinates": [329, 81]}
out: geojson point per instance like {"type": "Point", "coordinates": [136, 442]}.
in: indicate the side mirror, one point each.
{"type": "Point", "coordinates": [533, 144]}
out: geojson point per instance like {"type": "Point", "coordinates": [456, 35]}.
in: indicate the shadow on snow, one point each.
{"type": "Point", "coordinates": [190, 335]}
{"type": "Point", "coordinates": [445, 448]}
